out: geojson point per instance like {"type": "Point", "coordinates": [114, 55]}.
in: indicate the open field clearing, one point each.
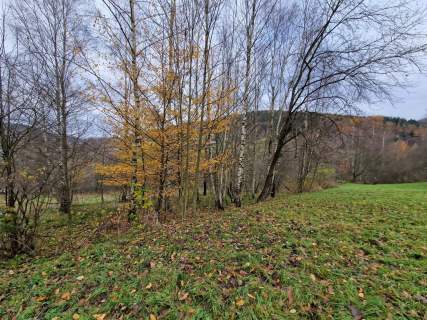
{"type": "Point", "coordinates": [351, 252]}
{"type": "Point", "coordinates": [213, 159]}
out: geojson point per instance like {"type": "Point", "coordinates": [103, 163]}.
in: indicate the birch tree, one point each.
{"type": "Point", "coordinates": [51, 32]}
{"type": "Point", "coordinates": [251, 9]}
{"type": "Point", "coordinates": [335, 60]}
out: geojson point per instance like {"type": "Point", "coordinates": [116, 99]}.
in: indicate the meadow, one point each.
{"type": "Point", "coordinates": [351, 252]}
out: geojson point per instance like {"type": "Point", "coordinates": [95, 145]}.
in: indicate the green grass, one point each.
{"type": "Point", "coordinates": [89, 198]}
{"type": "Point", "coordinates": [310, 256]}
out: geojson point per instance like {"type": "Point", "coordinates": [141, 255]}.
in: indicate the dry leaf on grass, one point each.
{"type": "Point", "coordinates": [182, 296]}
{"type": "Point", "coordinates": [41, 298]}
{"type": "Point", "coordinates": [149, 286]}
{"type": "Point", "coordinates": [66, 296]}
{"type": "Point", "coordinates": [290, 296]}
{"type": "Point", "coordinates": [240, 302]}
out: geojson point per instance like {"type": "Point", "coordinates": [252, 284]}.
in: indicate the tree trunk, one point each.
{"type": "Point", "coordinates": [241, 164]}
{"type": "Point", "coordinates": [269, 180]}
{"type": "Point", "coordinates": [242, 150]}
{"type": "Point", "coordinates": [10, 185]}
{"type": "Point", "coordinates": [162, 174]}
{"type": "Point", "coordinates": [136, 144]}
{"type": "Point", "coordinates": [205, 185]}
{"type": "Point", "coordinates": [65, 189]}
{"type": "Point", "coordinates": [123, 195]}
{"type": "Point", "coordinates": [188, 127]}
{"type": "Point", "coordinates": [205, 88]}
{"type": "Point", "coordinates": [62, 105]}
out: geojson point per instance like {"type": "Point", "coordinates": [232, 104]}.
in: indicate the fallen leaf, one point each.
{"type": "Point", "coordinates": [240, 302]}
{"type": "Point", "coordinates": [357, 315]}
{"type": "Point", "coordinates": [330, 290]}
{"type": "Point", "coordinates": [313, 277]}
{"type": "Point", "coordinates": [41, 298]}
{"type": "Point", "coordinates": [182, 296]}
{"type": "Point", "coordinates": [76, 316]}
{"type": "Point", "coordinates": [80, 278]}
{"type": "Point", "coordinates": [66, 296]}
{"type": "Point", "coordinates": [153, 317]}
{"type": "Point", "coordinates": [290, 296]}
{"type": "Point", "coordinates": [149, 286]}
{"type": "Point", "coordinates": [100, 316]}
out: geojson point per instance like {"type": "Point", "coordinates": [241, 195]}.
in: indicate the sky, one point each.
{"type": "Point", "coordinates": [409, 103]}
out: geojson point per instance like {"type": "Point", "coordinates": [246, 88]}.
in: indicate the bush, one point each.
{"type": "Point", "coordinates": [18, 226]}
{"type": "Point", "coordinates": [16, 232]}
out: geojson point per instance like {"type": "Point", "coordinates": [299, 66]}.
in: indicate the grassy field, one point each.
{"type": "Point", "coordinates": [351, 252]}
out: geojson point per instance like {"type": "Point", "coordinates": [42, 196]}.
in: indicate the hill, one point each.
{"type": "Point", "coordinates": [349, 252]}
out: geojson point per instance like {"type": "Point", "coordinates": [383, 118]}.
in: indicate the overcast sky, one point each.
{"type": "Point", "coordinates": [410, 103]}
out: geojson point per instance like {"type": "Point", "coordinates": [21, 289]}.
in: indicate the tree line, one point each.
{"type": "Point", "coordinates": [176, 89]}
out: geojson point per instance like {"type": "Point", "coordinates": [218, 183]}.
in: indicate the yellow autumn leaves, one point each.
{"type": "Point", "coordinates": [76, 316]}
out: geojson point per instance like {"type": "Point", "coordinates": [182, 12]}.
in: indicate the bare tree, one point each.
{"type": "Point", "coordinates": [251, 8]}
{"type": "Point", "coordinates": [20, 102]}
{"type": "Point", "coordinates": [24, 170]}
{"type": "Point", "coordinates": [51, 31]}
{"type": "Point", "coordinates": [210, 13]}
{"type": "Point", "coordinates": [335, 60]}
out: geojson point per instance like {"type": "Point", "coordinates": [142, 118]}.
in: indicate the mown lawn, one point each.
{"type": "Point", "coordinates": [351, 252]}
